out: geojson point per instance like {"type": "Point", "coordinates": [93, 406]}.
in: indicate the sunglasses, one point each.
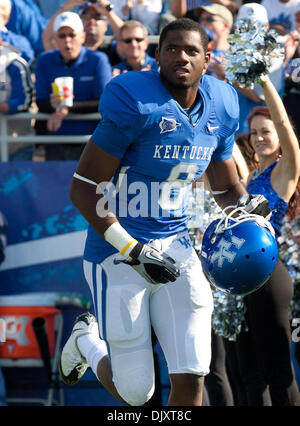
{"type": "Point", "coordinates": [209, 19]}
{"type": "Point", "coordinates": [62, 36]}
{"type": "Point", "coordinates": [130, 40]}
{"type": "Point", "coordinates": [92, 16]}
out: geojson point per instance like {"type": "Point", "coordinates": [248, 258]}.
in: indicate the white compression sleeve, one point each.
{"type": "Point", "coordinates": [118, 237]}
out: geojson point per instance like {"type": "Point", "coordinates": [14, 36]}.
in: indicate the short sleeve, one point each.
{"type": "Point", "coordinates": [120, 123]}
{"type": "Point", "coordinates": [224, 149]}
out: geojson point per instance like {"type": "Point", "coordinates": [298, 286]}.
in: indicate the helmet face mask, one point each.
{"type": "Point", "coordinates": [239, 255]}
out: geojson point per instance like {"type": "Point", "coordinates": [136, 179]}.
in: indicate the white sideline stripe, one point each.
{"type": "Point", "coordinates": [50, 249]}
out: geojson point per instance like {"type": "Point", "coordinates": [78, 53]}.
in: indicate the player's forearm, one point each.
{"type": "Point", "coordinates": [231, 196]}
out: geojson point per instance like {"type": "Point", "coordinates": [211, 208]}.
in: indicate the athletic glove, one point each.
{"type": "Point", "coordinates": [255, 204]}
{"type": "Point", "coordinates": [152, 264]}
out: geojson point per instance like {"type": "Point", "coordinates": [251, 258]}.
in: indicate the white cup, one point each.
{"type": "Point", "coordinates": [65, 87]}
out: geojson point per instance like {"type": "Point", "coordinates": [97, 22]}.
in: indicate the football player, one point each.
{"type": "Point", "coordinates": [160, 131]}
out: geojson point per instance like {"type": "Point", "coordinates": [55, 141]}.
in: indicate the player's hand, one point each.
{"type": "Point", "coordinates": [255, 204]}
{"type": "Point", "coordinates": [152, 264]}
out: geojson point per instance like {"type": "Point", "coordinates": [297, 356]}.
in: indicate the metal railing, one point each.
{"type": "Point", "coordinates": [6, 139]}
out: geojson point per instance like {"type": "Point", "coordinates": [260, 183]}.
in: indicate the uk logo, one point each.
{"type": "Point", "coordinates": [168, 125]}
{"type": "Point", "coordinates": [225, 252]}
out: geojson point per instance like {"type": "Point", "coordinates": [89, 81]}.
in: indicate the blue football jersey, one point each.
{"type": "Point", "coordinates": [163, 150]}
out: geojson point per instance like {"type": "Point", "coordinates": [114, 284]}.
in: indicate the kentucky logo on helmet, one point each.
{"type": "Point", "coordinates": [168, 125]}
{"type": "Point", "coordinates": [224, 252]}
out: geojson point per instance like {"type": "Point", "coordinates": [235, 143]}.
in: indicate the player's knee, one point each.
{"type": "Point", "coordinates": [135, 387]}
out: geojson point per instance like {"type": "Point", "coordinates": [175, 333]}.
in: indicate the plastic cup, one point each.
{"type": "Point", "coordinates": [65, 90]}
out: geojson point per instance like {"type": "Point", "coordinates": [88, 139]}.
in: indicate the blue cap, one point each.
{"type": "Point", "coordinates": [82, 8]}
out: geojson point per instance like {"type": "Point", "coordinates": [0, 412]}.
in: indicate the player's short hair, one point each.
{"type": "Point", "coordinates": [184, 24]}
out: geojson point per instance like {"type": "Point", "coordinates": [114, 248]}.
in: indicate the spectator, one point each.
{"type": "Point", "coordinates": [218, 20]}
{"type": "Point", "coordinates": [8, 36]}
{"type": "Point", "coordinates": [16, 91]}
{"type": "Point", "coordinates": [148, 12]}
{"type": "Point", "coordinates": [192, 8]}
{"type": "Point", "coordinates": [133, 38]}
{"type": "Point", "coordinates": [90, 70]}
{"type": "Point", "coordinates": [281, 14]}
{"type": "Point", "coordinates": [249, 98]}
{"type": "Point", "coordinates": [95, 19]}
{"type": "Point", "coordinates": [26, 19]}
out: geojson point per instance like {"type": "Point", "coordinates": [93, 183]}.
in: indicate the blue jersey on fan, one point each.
{"type": "Point", "coordinates": [163, 149]}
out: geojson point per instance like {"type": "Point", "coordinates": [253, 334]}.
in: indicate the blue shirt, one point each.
{"type": "Point", "coordinates": [26, 19]}
{"type": "Point", "coordinates": [122, 66]}
{"type": "Point", "coordinates": [19, 86]}
{"type": "Point", "coordinates": [163, 149]}
{"type": "Point", "coordinates": [20, 42]}
{"type": "Point", "coordinates": [91, 72]}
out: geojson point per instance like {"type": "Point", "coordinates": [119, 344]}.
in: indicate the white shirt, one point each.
{"type": "Point", "coordinates": [147, 12]}
{"type": "Point", "coordinates": [282, 13]}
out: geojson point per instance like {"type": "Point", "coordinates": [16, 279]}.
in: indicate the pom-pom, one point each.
{"type": "Point", "coordinates": [252, 47]}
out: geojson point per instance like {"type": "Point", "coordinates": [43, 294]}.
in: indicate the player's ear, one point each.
{"type": "Point", "coordinates": [206, 61]}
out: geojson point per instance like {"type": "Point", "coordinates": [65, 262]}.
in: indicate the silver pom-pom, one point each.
{"type": "Point", "coordinates": [252, 47]}
{"type": "Point", "coordinates": [290, 256]}
{"type": "Point", "coordinates": [228, 318]}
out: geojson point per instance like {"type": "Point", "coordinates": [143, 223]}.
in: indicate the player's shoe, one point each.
{"type": "Point", "coordinates": [72, 365]}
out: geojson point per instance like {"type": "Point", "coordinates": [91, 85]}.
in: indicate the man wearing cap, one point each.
{"type": "Point", "coordinates": [218, 20]}
{"type": "Point", "coordinates": [91, 71]}
{"type": "Point", "coordinates": [96, 19]}
{"type": "Point", "coordinates": [192, 8]}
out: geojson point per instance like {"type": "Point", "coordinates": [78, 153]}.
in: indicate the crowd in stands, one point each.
{"type": "Point", "coordinates": [27, 33]}
{"type": "Point", "coordinates": [42, 40]}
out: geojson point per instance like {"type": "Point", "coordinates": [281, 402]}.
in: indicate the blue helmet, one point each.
{"type": "Point", "coordinates": [239, 254]}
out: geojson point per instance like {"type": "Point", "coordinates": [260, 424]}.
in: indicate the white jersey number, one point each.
{"type": "Point", "coordinates": [174, 188]}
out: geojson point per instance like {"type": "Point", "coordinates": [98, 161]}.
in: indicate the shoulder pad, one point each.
{"type": "Point", "coordinates": [224, 97]}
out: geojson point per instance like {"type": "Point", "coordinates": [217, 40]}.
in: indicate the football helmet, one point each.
{"type": "Point", "coordinates": [239, 254]}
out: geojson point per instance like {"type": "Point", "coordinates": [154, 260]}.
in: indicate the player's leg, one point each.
{"type": "Point", "coordinates": [181, 318]}
{"type": "Point", "coordinates": [121, 299]}
{"type": "Point", "coordinates": [85, 349]}
{"type": "Point", "coordinates": [119, 351]}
